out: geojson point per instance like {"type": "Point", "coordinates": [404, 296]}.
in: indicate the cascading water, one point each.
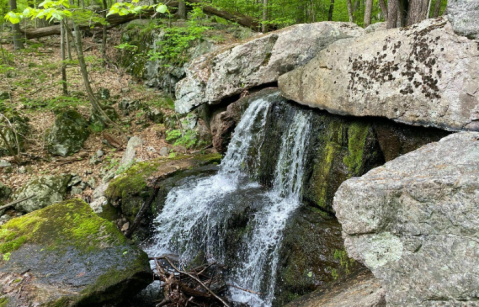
{"type": "Point", "coordinates": [196, 216]}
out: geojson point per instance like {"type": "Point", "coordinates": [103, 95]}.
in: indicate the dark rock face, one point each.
{"type": "Point", "coordinates": [414, 222]}
{"type": "Point", "coordinates": [71, 258]}
{"type": "Point", "coordinates": [68, 134]}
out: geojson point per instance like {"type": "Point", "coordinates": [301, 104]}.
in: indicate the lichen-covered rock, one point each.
{"type": "Point", "coordinates": [68, 133]}
{"type": "Point", "coordinates": [70, 257]}
{"type": "Point", "coordinates": [230, 71]}
{"type": "Point", "coordinates": [464, 17]}
{"type": "Point", "coordinates": [19, 132]}
{"type": "Point", "coordinates": [95, 117]}
{"type": "Point", "coordinates": [47, 190]}
{"type": "Point", "coordinates": [414, 222]}
{"type": "Point", "coordinates": [422, 75]}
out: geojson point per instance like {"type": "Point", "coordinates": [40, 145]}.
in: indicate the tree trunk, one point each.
{"type": "Point", "coordinates": [393, 7]}
{"type": "Point", "coordinates": [64, 69]}
{"type": "Point", "coordinates": [384, 9]}
{"type": "Point", "coordinates": [17, 37]}
{"type": "Point", "coordinates": [417, 11]}
{"type": "Point", "coordinates": [331, 10]}
{"type": "Point", "coordinates": [437, 8]}
{"type": "Point", "coordinates": [103, 41]}
{"type": "Point", "coordinates": [182, 9]}
{"type": "Point", "coordinates": [350, 11]}
{"type": "Point", "coordinates": [367, 13]}
{"type": "Point", "coordinates": [264, 27]}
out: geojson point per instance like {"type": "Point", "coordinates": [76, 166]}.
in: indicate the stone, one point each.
{"type": "Point", "coordinates": [5, 191]}
{"type": "Point", "coordinates": [156, 116]}
{"type": "Point", "coordinates": [414, 222]}
{"type": "Point", "coordinates": [4, 163]}
{"type": "Point", "coordinates": [125, 227]}
{"type": "Point", "coordinates": [127, 105]}
{"type": "Point", "coordinates": [378, 26]}
{"type": "Point", "coordinates": [164, 151]}
{"type": "Point", "coordinates": [91, 182]}
{"type": "Point", "coordinates": [95, 117]}
{"type": "Point", "coordinates": [130, 152]}
{"type": "Point", "coordinates": [99, 153]}
{"type": "Point", "coordinates": [68, 134]}
{"type": "Point", "coordinates": [22, 170]}
{"type": "Point", "coordinates": [254, 63]}
{"type": "Point", "coordinates": [421, 75]}
{"type": "Point", "coordinates": [76, 190]}
{"type": "Point", "coordinates": [464, 17]}
{"type": "Point", "coordinates": [48, 190]}
{"type": "Point", "coordinates": [92, 264]}
{"type": "Point", "coordinates": [104, 93]}
{"type": "Point", "coordinates": [75, 179]}
{"type": "Point", "coordinates": [4, 218]}
{"type": "Point", "coordinates": [359, 290]}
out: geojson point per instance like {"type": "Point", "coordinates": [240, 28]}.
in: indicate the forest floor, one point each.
{"type": "Point", "coordinates": [36, 92]}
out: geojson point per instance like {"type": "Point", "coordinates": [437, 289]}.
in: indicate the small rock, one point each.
{"type": "Point", "coordinates": [125, 227]}
{"type": "Point", "coordinates": [125, 90]}
{"type": "Point", "coordinates": [130, 152]}
{"type": "Point", "coordinates": [108, 176]}
{"type": "Point", "coordinates": [76, 190]}
{"type": "Point", "coordinates": [88, 172]}
{"type": "Point", "coordinates": [97, 204]}
{"type": "Point", "coordinates": [75, 180]}
{"type": "Point", "coordinates": [22, 170]}
{"type": "Point", "coordinates": [83, 185]}
{"type": "Point", "coordinates": [91, 182]}
{"type": "Point", "coordinates": [4, 163]}
{"type": "Point", "coordinates": [94, 159]}
{"type": "Point", "coordinates": [99, 153]}
{"type": "Point", "coordinates": [4, 218]}
{"type": "Point", "coordinates": [150, 149]}
{"type": "Point", "coordinates": [164, 151]}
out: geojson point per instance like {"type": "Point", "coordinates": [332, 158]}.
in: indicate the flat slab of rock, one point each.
{"type": "Point", "coordinates": [421, 75]}
{"type": "Point", "coordinates": [234, 69]}
{"type": "Point", "coordinates": [360, 290]}
{"type": "Point", "coordinates": [414, 222]}
{"type": "Point", "coordinates": [65, 255]}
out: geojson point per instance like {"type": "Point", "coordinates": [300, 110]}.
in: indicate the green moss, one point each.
{"type": "Point", "coordinates": [357, 135]}
{"type": "Point", "coordinates": [71, 223]}
{"type": "Point", "coordinates": [323, 170]}
{"type": "Point", "coordinates": [4, 301]}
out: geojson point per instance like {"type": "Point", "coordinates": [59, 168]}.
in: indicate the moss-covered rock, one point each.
{"type": "Point", "coordinates": [47, 190]}
{"type": "Point", "coordinates": [73, 258]}
{"type": "Point", "coordinates": [132, 188]}
{"type": "Point", "coordinates": [95, 118]}
{"type": "Point", "coordinates": [68, 133]}
{"type": "Point", "coordinates": [19, 132]}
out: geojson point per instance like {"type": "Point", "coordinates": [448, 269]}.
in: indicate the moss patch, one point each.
{"type": "Point", "coordinates": [357, 135]}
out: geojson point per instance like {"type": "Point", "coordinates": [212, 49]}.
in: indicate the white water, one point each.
{"type": "Point", "coordinates": [194, 213]}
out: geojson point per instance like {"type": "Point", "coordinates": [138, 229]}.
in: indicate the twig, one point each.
{"type": "Point", "coordinates": [17, 201]}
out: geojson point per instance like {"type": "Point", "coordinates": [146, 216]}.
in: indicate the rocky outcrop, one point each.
{"type": "Point", "coordinates": [64, 255]}
{"type": "Point", "coordinates": [47, 190]}
{"type": "Point", "coordinates": [232, 70]}
{"type": "Point", "coordinates": [358, 290]}
{"type": "Point", "coordinates": [414, 223]}
{"type": "Point", "coordinates": [68, 133]}
{"type": "Point", "coordinates": [421, 75]}
{"type": "Point", "coordinates": [464, 16]}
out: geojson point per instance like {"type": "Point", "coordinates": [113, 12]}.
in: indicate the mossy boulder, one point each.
{"type": "Point", "coordinates": [19, 132]}
{"type": "Point", "coordinates": [95, 118]}
{"type": "Point", "coordinates": [68, 133]}
{"type": "Point", "coordinates": [47, 190]}
{"type": "Point", "coordinates": [129, 190]}
{"type": "Point", "coordinates": [72, 258]}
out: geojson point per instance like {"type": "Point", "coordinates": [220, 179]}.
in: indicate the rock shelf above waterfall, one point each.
{"type": "Point", "coordinates": [424, 74]}
{"type": "Point", "coordinates": [415, 222]}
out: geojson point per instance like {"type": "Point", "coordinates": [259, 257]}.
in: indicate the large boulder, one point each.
{"type": "Point", "coordinates": [464, 16]}
{"type": "Point", "coordinates": [422, 75]}
{"type": "Point", "coordinates": [230, 71]}
{"type": "Point", "coordinates": [68, 133]}
{"type": "Point", "coordinates": [47, 190]}
{"type": "Point", "coordinates": [65, 255]}
{"type": "Point", "coordinates": [414, 222]}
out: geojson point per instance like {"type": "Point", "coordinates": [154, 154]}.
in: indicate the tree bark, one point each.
{"type": "Point", "coordinates": [417, 11]}
{"type": "Point", "coordinates": [350, 11]}
{"type": "Point", "coordinates": [182, 9]}
{"type": "Point", "coordinates": [393, 7]}
{"type": "Point", "coordinates": [103, 41]}
{"type": "Point", "coordinates": [264, 27]}
{"type": "Point", "coordinates": [17, 37]}
{"type": "Point", "coordinates": [64, 69]}
{"type": "Point", "coordinates": [384, 8]}
{"type": "Point", "coordinates": [367, 13]}
{"type": "Point", "coordinates": [331, 10]}
{"type": "Point", "coordinates": [437, 8]}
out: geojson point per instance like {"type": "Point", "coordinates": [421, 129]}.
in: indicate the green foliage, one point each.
{"type": "Point", "coordinates": [346, 262]}
{"type": "Point", "coordinates": [187, 139]}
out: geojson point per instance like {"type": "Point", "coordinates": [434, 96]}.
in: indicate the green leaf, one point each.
{"type": "Point", "coordinates": [12, 17]}
{"type": "Point", "coordinates": [162, 9]}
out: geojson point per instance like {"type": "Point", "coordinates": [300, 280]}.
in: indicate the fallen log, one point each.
{"type": "Point", "coordinates": [16, 202]}
{"type": "Point", "coordinates": [115, 20]}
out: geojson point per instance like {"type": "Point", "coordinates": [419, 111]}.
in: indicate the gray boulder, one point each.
{"type": "Point", "coordinates": [422, 75]}
{"type": "Point", "coordinates": [414, 222]}
{"type": "Point", "coordinates": [68, 134]}
{"type": "Point", "coordinates": [48, 190]}
{"type": "Point", "coordinates": [232, 70]}
{"type": "Point", "coordinates": [130, 153]}
{"type": "Point", "coordinates": [69, 257]}
{"type": "Point", "coordinates": [464, 16]}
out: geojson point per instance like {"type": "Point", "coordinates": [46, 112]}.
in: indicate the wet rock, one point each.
{"type": "Point", "coordinates": [130, 153]}
{"type": "Point", "coordinates": [464, 17]}
{"type": "Point", "coordinates": [68, 134]}
{"type": "Point", "coordinates": [92, 264]}
{"type": "Point", "coordinates": [48, 190]}
{"type": "Point", "coordinates": [259, 61]}
{"type": "Point", "coordinates": [414, 222]}
{"type": "Point", "coordinates": [403, 74]}
{"type": "Point", "coordinates": [95, 117]}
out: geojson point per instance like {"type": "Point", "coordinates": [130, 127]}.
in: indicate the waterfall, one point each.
{"type": "Point", "coordinates": [197, 215]}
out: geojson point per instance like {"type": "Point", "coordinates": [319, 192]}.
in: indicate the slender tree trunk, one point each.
{"type": "Point", "coordinates": [67, 40]}
{"type": "Point", "coordinates": [264, 27]}
{"type": "Point", "coordinates": [437, 8]}
{"type": "Point", "coordinates": [393, 7]}
{"type": "Point", "coordinates": [367, 13]}
{"type": "Point", "coordinates": [64, 68]}
{"type": "Point", "coordinates": [331, 10]}
{"type": "Point", "coordinates": [312, 11]}
{"type": "Point", "coordinates": [182, 9]}
{"type": "Point", "coordinates": [17, 36]}
{"type": "Point", "coordinates": [417, 11]}
{"type": "Point", "coordinates": [384, 8]}
{"type": "Point", "coordinates": [350, 11]}
{"type": "Point", "coordinates": [103, 42]}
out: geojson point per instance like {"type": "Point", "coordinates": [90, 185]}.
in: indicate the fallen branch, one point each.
{"type": "Point", "coordinates": [142, 211]}
{"type": "Point", "coordinates": [17, 201]}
